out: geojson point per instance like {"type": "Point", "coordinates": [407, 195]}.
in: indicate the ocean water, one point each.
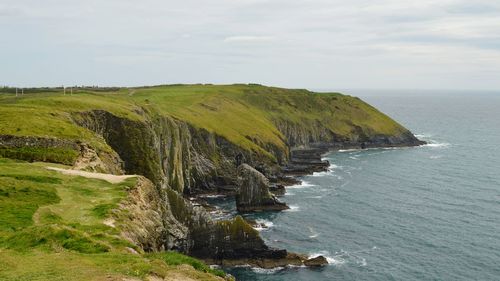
{"type": "Point", "coordinates": [424, 213]}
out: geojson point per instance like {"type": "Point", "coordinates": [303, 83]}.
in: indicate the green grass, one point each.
{"type": "Point", "coordinates": [51, 225]}
{"type": "Point", "coordinates": [70, 265]}
{"type": "Point", "coordinates": [51, 228]}
{"type": "Point", "coordinates": [246, 115]}
{"type": "Point", "coordinates": [46, 154]}
{"type": "Point", "coordinates": [174, 258]}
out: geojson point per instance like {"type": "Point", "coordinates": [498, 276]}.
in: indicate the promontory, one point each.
{"type": "Point", "coordinates": [101, 183]}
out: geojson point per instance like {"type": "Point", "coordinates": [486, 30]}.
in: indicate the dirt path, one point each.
{"type": "Point", "coordinates": [107, 177]}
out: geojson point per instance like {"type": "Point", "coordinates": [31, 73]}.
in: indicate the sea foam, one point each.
{"type": "Point", "coordinates": [266, 270]}
{"type": "Point", "coordinates": [303, 184]}
{"type": "Point", "coordinates": [263, 224]}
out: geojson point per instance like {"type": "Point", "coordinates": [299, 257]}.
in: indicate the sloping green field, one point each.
{"type": "Point", "coordinates": [52, 228]}
{"type": "Point", "coordinates": [244, 114]}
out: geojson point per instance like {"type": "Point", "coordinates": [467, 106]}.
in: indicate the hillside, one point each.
{"type": "Point", "coordinates": [249, 116]}
{"type": "Point", "coordinates": [60, 227]}
{"type": "Point", "coordinates": [179, 140]}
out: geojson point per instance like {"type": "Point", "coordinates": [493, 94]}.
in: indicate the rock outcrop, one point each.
{"type": "Point", "coordinates": [253, 192]}
{"type": "Point", "coordinates": [145, 218]}
{"type": "Point", "coordinates": [181, 154]}
{"type": "Point", "coordinates": [306, 161]}
{"type": "Point", "coordinates": [316, 261]}
{"type": "Point", "coordinates": [180, 159]}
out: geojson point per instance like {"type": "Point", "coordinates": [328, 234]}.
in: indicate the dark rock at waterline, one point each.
{"type": "Point", "coordinates": [306, 161]}
{"type": "Point", "coordinates": [284, 180]}
{"type": "Point", "coordinates": [233, 240]}
{"type": "Point", "coordinates": [277, 189]}
{"type": "Point", "coordinates": [253, 193]}
{"type": "Point", "coordinates": [286, 260]}
{"type": "Point", "coordinates": [316, 261]}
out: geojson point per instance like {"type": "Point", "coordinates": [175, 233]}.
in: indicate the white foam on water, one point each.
{"type": "Point", "coordinates": [242, 266]}
{"type": "Point", "coordinates": [423, 136]}
{"type": "Point", "coordinates": [437, 144]}
{"type": "Point", "coordinates": [314, 234]}
{"type": "Point", "coordinates": [331, 169]}
{"type": "Point", "coordinates": [213, 196]}
{"type": "Point", "coordinates": [266, 270]}
{"type": "Point", "coordinates": [267, 224]}
{"type": "Point", "coordinates": [436, 156]}
{"type": "Point", "coordinates": [348, 150]}
{"type": "Point", "coordinates": [303, 184]}
{"type": "Point", "coordinates": [335, 260]}
{"type": "Point", "coordinates": [320, 174]}
{"type": "Point", "coordinates": [333, 166]}
{"type": "Point", "coordinates": [293, 208]}
{"type": "Point", "coordinates": [315, 197]}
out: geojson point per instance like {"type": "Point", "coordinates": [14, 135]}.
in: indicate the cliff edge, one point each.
{"type": "Point", "coordinates": [190, 139]}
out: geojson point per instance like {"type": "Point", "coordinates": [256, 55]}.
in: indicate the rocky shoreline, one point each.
{"type": "Point", "coordinates": [249, 145]}
{"type": "Point", "coordinates": [264, 193]}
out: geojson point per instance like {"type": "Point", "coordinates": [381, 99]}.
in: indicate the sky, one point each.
{"type": "Point", "coordinates": [316, 44]}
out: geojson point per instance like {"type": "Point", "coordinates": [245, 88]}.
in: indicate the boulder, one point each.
{"type": "Point", "coordinates": [253, 192]}
{"type": "Point", "coordinates": [316, 261]}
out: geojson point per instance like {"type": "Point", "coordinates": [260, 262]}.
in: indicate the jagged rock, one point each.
{"type": "Point", "coordinates": [277, 189]}
{"type": "Point", "coordinates": [145, 218]}
{"type": "Point", "coordinates": [306, 161]}
{"type": "Point", "coordinates": [253, 194]}
{"type": "Point", "coordinates": [315, 262]}
{"type": "Point", "coordinates": [90, 160]}
{"type": "Point", "coordinates": [231, 240]}
{"type": "Point", "coordinates": [180, 159]}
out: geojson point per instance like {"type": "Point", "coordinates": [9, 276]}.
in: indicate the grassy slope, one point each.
{"type": "Point", "coordinates": [51, 224]}
{"type": "Point", "coordinates": [237, 112]}
{"type": "Point", "coordinates": [51, 228]}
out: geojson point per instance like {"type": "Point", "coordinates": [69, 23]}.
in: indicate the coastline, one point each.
{"type": "Point", "coordinates": [314, 162]}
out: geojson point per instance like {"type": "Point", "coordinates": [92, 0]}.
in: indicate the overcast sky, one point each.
{"type": "Point", "coordinates": [417, 44]}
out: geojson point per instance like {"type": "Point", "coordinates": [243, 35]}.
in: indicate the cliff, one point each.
{"type": "Point", "coordinates": [253, 192]}
{"type": "Point", "coordinates": [186, 139]}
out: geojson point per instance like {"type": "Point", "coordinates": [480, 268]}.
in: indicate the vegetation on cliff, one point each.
{"type": "Point", "coordinates": [60, 227]}
{"type": "Point", "coordinates": [179, 139]}
{"type": "Point", "coordinates": [253, 117]}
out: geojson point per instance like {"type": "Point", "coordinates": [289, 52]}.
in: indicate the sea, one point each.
{"type": "Point", "coordinates": [422, 213]}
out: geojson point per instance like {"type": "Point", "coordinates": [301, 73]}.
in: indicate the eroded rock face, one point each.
{"type": "Point", "coordinates": [231, 240]}
{"type": "Point", "coordinates": [316, 262]}
{"type": "Point", "coordinates": [145, 218]}
{"type": "Point", "coordinates": [253, 194]}
{"type": "Point", "coordinates": [103, 162]}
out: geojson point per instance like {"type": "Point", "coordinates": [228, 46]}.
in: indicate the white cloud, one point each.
{"type": "Point", "coordinates": [247, 39]}
{"type": "Point", "coordinates": [314, 43]}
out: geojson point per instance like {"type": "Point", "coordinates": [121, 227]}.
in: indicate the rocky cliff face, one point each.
{"type": "Point", "coordinates": [189, 139]}
{"type": "Point", "coordinates": [170, 152]}
{"type": "Point", "coordinates": [181, 159]}
{"type": "Point", "coordinates": [178, 159]}
{"type": "Point", "coordinates": [145, 218]}
{"type": "Point", "coordinates": [314, 134]}
{"type": "Point", "coordinates": [253, 192]}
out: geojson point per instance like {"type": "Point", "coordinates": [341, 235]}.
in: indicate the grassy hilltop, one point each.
{"type": "Point", "coordinates": [54, 226]}
{"type": "Point", "coordinates": [246, 115]}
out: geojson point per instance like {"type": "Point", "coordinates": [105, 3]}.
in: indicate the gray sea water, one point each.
{"type": "Point", "coordinates": [424, 213]}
